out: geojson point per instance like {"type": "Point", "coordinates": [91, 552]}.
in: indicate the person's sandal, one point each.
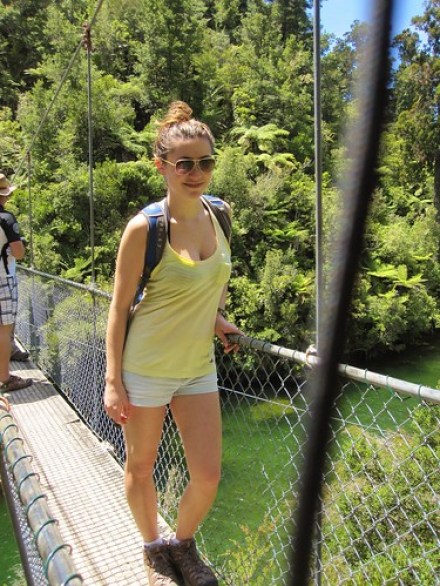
{"type": "Point", "coordinates": [20, 356]}
{"type": "Point", "coordinates": [15, 383]}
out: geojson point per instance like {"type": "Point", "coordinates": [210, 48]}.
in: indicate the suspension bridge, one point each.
{"type": "Point", "coordinates": [61, 457]}
{"type": "Point", "coordinates": [60, 451]}
{"type": "Point", "coordinates": [83, 490]}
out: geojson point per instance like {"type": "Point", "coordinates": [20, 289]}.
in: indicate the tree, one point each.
{"type": "Point", "coordinates": [165, 69]}
{"type": "Point", "coordinates": [417, 102]}
{"type": "Point", "coordinates": [21, 46]}
{"type": "Point", "coordinates": [245, 67]}
{"type": "Point", "coordinates": [292, 18]}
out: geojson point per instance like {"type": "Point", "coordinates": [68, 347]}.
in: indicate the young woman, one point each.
{"type": "Point", "coordinates": [168, 356]}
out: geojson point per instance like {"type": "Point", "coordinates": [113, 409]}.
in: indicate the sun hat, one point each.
{"type": "Point", "coordinates": [6, 188]}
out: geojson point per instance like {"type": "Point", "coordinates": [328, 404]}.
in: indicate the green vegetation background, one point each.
{"type": "Point", "coordinates": [11, 573]}
{"type": "Point", "coordinates": [246, 68]}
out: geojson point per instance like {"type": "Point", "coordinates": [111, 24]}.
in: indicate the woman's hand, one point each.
{"type": "Point", "coordinates": [116, 403]}
{"type": "Point", "coordinates": [222, 328]}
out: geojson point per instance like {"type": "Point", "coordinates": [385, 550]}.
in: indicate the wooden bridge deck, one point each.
{"type": "Point", "coordinates": [83, 482]}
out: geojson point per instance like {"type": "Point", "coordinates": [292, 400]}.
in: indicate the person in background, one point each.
{"type": "Point", "coordinates": [168, 356]}
{"type": "Point", "coordinates": [11, 249]}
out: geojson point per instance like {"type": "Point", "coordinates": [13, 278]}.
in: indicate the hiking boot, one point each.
{"type": "Point", "coordinates": [14, 383]}
{"type": "Point", "coordinates": [159, 566]}
{"type": "Point", "coordinates": [20, 356]}
{"type": "Point", "coordinates": [194, 571]}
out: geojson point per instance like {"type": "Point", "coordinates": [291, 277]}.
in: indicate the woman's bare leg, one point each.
{"type": "Point", "coordinates": [142, 436]}
{"type": "Point", "coordinates": [198, 419]}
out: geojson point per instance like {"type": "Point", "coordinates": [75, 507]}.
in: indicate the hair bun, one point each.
{"type": "Point", "coordinates": [177, 125]}
{"type": "Point", "coordinates": [178, 112]}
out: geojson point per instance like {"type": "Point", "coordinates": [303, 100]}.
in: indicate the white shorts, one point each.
{"type": "Point", "coordinates": [153, 391]}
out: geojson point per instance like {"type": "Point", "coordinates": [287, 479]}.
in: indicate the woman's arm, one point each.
{"type": "Point", "coordinates": [129, 266]}
{"type": "Point", "coordinates": [224, 327]}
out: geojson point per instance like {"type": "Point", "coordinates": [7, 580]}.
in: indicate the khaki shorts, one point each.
{"type": "Point", "coordinates": [151, 391]}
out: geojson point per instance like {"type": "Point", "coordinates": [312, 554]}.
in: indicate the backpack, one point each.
{"type": "Point", "coordinates": [157, 215]}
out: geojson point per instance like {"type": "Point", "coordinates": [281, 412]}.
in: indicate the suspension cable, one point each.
{"type": "Point", "coordinates": [361, 181]}
{"type": "Point", "coordinates": [319, 279]}
{"type": "Point", "coordinates": [31, 222]}
{"type": "Point", "coordinates": [88, 47]}
{"type": "Point", "coordinates": [318, 165]}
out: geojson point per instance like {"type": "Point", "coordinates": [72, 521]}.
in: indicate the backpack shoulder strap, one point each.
{"type": "Point", "coordinates": [220, 210]}
{"type": "Point", "coordinates": [4, 244]}
{"type": "Point", "coordinates": [157, 217]}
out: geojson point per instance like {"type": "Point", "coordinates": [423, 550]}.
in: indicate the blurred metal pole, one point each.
{"type": "Point", "coordinates": [360, 182]}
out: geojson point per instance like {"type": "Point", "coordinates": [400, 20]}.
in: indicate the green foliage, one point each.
{"type": "Point", "coordinates": [259, 139]}
{"type": "Point", "coordinates": [70, 337]}
{"type": "Point", "coordinates": [21, 45]}
{"type": "Point", "coordinates": [286, 296]}
{"type": "Point", "coordinates": [366, 512]}
{"type": "Point", "coordinates": [250, 561]}
{"type": "Point", "coordinates": [10, 141]}
{"type": "Point", "coordinates": [246, 67]}
{"type": "Point", "coordinates": [172, 33]}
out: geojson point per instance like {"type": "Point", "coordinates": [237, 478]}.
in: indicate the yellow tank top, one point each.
{"type": "Point", "coordinates": [172, 330]}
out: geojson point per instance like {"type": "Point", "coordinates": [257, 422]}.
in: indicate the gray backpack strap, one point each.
{"type": "Point", "coordinates": [157, 218]}
{"type": "Point", "coordinates": [219, 209]}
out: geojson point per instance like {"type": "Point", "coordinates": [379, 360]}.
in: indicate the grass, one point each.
{"type": "Point", "coordinates": [257, 470]}
{"type": "Point", "coordinates": [263, 447]}
{"type": "Point", "coordinates": [419, 365]}
{"type": "Point", "coordinates": [11, 572]}
{"type": "Point", "coordinates": [376, 409]}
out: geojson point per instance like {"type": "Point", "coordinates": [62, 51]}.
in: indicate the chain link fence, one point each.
{"type": "Point", "coordinates": [380, 520]}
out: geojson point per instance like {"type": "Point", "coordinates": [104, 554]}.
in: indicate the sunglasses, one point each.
{"type": "Point", "coordinates": [185, 166]}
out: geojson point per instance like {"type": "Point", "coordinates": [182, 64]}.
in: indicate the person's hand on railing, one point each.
{"type": "Point", "coordinates": [311, 351]}
{"type": "Point", "coordinates": [222, 328]}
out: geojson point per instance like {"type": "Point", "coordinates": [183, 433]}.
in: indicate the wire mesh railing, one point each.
{"type": "Point", "coordinates": [380, 512]}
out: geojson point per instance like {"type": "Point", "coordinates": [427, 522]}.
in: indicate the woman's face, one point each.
{"type": "Point", "coordinates": [194, 183]}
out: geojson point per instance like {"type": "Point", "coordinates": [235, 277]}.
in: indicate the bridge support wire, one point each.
{"type": "Point", "coordinates": [58, 90]}
{"type": "Point", "coordinates": [18, 475]}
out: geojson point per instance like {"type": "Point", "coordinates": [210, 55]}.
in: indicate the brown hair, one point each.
{"type": "Point", "coordinates": [179, 125]}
